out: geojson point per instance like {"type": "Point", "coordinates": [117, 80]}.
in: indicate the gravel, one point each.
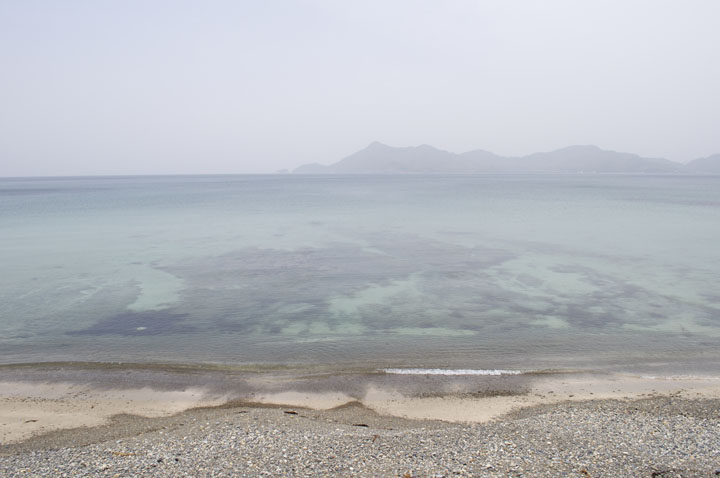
{"type": "Point", "coordinates": [657, 437]}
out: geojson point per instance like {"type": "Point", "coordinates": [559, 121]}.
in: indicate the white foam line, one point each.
{"type": "Point", "coordinates": [679, 377]}
{"type": "Point", "coordinates": [440, 371]}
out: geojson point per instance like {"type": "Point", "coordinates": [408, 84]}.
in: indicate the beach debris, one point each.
{"type": "Point", "coordinates": [122, 453]}
{"type": "Point", "coordinates": [361, 425]}
{"type": "Point", "coordinates": [584, 472]}
{"type": "Point", "coordinates": [375, 437]}
{"type": "Point", "coordinates": [290, 412]}
{"type": "Point", "coordinates": [407, 474]}
{"type": "Point", "coordinates": [659, 473]}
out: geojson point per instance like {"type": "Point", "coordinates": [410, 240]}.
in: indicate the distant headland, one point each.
{"type": "Point", "coordinates": [378, 158]}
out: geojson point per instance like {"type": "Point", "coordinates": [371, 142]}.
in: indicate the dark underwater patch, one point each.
{"type": "Point", "coordinates": [254, 290]}
{"type": "Point", "coordinates": [158, 322]}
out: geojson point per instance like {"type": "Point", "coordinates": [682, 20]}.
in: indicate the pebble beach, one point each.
{"type": "Point", "coordinates": [664, 436]}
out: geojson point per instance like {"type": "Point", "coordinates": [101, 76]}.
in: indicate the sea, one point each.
{"type": "Point", "coordinates": [434, 274]}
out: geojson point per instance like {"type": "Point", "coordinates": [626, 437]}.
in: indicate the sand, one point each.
{"type": "Point", "coordinates": [29, 409]}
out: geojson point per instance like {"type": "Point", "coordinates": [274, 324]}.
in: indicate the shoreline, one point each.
{"type": "Point", "coordinates": [44, 398]}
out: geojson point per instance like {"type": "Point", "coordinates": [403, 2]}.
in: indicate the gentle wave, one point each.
{"type": "Point", "coordinates": [440, 371]}
{"type": "Point", "coordinates": [680, 377]}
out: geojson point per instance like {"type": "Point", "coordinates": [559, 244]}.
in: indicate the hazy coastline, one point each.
{"type": "Point", "coordinates": [378, 158]}
{"type": "Point", "coordinates": [257, 239]}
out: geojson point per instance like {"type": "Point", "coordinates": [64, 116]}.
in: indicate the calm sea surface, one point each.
{"type": "Point", "coordinates": [481, 272]}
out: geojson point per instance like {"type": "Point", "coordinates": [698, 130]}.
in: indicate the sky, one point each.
{"type": "Point", "coordinates": [230, 86]}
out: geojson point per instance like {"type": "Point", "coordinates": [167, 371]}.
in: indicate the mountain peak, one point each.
{"type": "Point", "coordinates": [582, 147]}
{"type": "Point", "coordinates": [377, 145]}
{"type": "Point", "coordinates": [710, 164]}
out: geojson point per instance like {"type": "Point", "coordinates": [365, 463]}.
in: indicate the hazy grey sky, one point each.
{"type": "Point", "coordinates": [150, 86]}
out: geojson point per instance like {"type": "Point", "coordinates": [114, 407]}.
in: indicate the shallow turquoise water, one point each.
{"type": "Point", "coordinates": [520, 272]}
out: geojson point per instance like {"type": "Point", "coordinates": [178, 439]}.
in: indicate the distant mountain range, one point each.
{"type": "Point", "coordinates": [382, 159]}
